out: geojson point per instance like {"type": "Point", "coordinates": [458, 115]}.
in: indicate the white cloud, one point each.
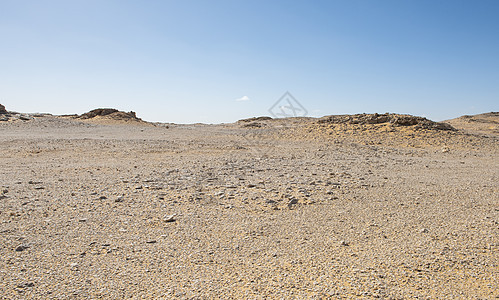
{"type": "Point", "coordinates": [243, 98]}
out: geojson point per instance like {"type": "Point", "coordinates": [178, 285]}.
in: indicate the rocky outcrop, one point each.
{"type": "Point", "coordinates": [393, 119]}
{"type": "Point", "coordinates": [2, 109]}
{"type": "Point", "coordinates": [109, 113]}
{"type": "Point", "coordinates": [264, 118]}
{"type": "Point", "coordinates": [98, 112]}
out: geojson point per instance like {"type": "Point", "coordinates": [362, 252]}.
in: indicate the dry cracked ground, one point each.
{"type": "Point", "coordinates": [335, 208]}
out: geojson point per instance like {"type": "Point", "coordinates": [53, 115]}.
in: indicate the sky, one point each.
{"type": "Point", "coordinates": [220, 61]}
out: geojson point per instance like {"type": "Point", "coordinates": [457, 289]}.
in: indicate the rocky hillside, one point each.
{"type": "Point", "coordinates": [6, 116]}
{"type": "Point", "coordinates": [395, 130]}
{"type": "Point", "coordinates": [487, 123]}
{"type": "Point", "coordinates": [395, 120]}
{"type": "Point", "coordinates": [109, 113]}
{"type": "Point", "coordinates": [109, 116]}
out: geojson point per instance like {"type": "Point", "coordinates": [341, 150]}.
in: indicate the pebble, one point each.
{"type": "Point", "coordinates": [22, 247]}
{"type": "Point", "coordinates": [292, 202]}
{"type": "Point", "coordinates": [119, 199]}
{"type": "Point", "coordinates": [344, 243]}
{"type": "Point", "coordinates": [169, 218]}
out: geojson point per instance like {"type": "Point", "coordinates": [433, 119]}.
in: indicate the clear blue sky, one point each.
{"type": "Point", "coordinates": [188, 61]}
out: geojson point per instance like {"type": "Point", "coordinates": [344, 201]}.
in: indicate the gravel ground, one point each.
{"type": "Point", "coordinates": [278, 209]}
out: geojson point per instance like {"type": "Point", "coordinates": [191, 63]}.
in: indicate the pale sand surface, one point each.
{"type": "Point", "coordinates": [279, 209]}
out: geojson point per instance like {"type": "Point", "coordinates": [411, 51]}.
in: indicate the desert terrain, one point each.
{"type": "Point", "coordinates": [108, 206]}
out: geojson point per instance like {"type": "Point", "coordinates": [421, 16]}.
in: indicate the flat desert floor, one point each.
{"type": "Point", "coordinates": [260, 209]}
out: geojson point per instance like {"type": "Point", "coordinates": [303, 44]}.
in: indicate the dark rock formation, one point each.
{"type": "Point", "coordinates": [393, 119]}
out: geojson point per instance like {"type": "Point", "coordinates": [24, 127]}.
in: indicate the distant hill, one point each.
{"type": "Point", "coordinates": [109, 116]}
{"type": "Point", "coordinates": [486, 123]}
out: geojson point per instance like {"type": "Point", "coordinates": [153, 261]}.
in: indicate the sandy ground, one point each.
{"type": "Point", "coordinates": [270, 209]}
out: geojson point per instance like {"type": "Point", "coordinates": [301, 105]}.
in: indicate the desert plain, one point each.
{"type": "Point", "coordinates": [107, 206]}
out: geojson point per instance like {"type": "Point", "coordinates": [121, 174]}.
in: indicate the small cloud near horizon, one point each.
{"type": "Point", "coordinates": [243, 98]}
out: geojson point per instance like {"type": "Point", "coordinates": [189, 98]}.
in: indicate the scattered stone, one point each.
{"type": "Point", "coordinates": [169, 218]}
{"type": "Point", "coordinates": [423, 230]}
{"type": "Point", "coordinates": [119, 199]}
{"type": "Point", "coordinates": [292, 202]}
{"type": "Point", "coordinates": [102, 197]}
{"type": "Point", "coordinates": [25, 285]}
{"type": "Point", "coordinates": [151, 242]}
{"type": "Point", "coordinates": [22, 247]}
{"type": "Point", "coordinates": [25, 117]}
{"type": "Point", "coordinates": [344, 243]}
{"type": "Point", "coordinates": [83, 220]}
